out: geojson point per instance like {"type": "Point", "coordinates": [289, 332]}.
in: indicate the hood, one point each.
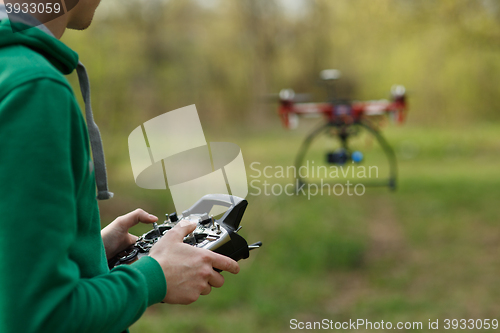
{"type": "Point", "coordinates": [55, 51]}
{"type": "Point", "coordinates": [41, 40]}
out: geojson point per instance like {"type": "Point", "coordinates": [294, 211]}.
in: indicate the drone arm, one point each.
{"type": "Point", "coordinates": [289, 111]}
{"type": "Point", "coordinates": [381, 107]}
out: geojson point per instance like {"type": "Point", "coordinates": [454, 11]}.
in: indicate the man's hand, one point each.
{"type": "Point", "coordinates": [189, 270]}
{"type": "Point", "coordinates": [115, 235]}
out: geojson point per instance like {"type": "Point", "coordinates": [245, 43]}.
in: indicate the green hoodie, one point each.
{"type": "Point", "coordinates": [53, 271]}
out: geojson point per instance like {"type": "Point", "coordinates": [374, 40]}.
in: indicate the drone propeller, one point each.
{"type": "Point", "coordinates": [330, 74]}
{"type": "Point", "coordinates": [290, 95]}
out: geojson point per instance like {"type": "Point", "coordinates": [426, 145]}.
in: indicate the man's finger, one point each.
{"type": "Point", "coordinates": [133, 238]}
{"type": "Point", "coordinates": [138, 215]}
{"type": "Point", "coordinates": [144, 217]}
{"type": "Point", "coordinates": [181, 230]}
{"type": "Point", "coordinates": [207, 290]}
{"type": "Point", "coordinates": [216, 280]}
{"type": "Point", "coordinates": [224, 263]}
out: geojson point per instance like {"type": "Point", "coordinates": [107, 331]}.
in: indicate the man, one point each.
{"type": "Point", "coordinates": [53, 255]}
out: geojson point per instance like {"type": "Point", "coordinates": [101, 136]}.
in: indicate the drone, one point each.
{"type": "Point", "coordinates": [344, 119]}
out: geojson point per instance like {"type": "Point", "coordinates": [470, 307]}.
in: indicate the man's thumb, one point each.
{"type": "Point", "coordinates": [181, 229]}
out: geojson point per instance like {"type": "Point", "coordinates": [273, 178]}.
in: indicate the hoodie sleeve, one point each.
{"type": "Point", "coordinates": [41, 283]}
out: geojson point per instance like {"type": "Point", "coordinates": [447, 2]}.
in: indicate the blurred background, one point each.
{"type": "Point", "coordinates": [430, 250]}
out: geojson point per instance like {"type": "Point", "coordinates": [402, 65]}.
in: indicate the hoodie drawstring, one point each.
{"type": "Point", "coordinates": [101, 178]}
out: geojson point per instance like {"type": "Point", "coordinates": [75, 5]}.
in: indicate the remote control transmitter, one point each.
{"type": "Point", "coordinates": [219, 235]}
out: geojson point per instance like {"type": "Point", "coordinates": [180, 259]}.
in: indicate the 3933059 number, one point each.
{"type": "Point", "coordinates": [464, 324]}
{"type": "Point", "coordinates": [33, 8]}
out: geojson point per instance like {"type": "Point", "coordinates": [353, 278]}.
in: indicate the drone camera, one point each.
{"type": "Point", "coordinates": [339, 157]}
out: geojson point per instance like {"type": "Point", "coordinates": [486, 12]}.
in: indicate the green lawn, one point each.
{"type": "Point", "coordinates": [429, 250]}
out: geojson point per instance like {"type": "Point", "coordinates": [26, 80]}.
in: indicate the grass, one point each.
{"type": "Point", "coordinates": [430, 250]}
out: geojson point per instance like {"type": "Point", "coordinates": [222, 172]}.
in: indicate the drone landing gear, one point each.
{"type": "Point", "coordinates": [344, 155]}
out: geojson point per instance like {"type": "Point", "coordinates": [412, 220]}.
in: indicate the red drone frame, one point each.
{"type": "Point", "coordinates": [289, 110]}
{"type": "Point", "coordinates": [341, 115]}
